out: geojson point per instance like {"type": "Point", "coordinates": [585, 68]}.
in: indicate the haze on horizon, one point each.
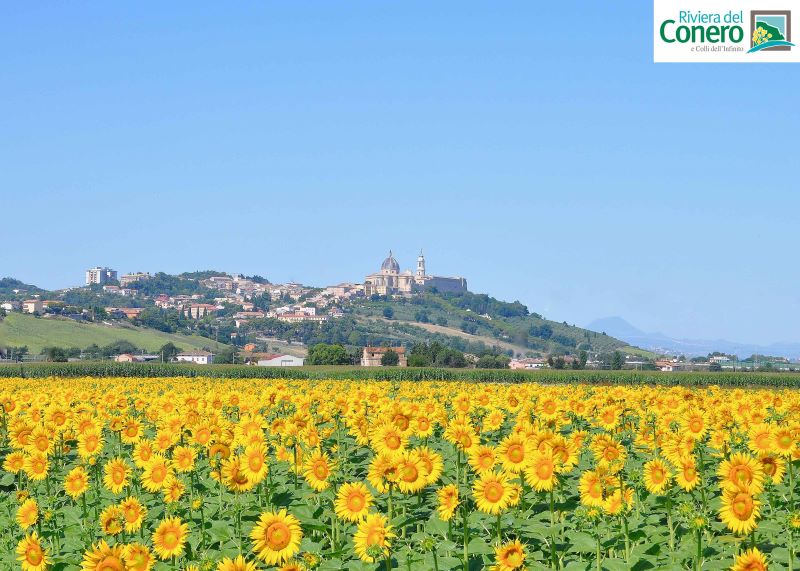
{"type": "Point", "coordinates": [302, 142]}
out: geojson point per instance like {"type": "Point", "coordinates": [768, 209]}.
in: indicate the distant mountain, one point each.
{"type": "Point", "coordinates": [661, 343]}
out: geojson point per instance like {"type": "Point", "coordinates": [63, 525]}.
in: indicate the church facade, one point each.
{"type": "Point", "coordinates": [391, 281]}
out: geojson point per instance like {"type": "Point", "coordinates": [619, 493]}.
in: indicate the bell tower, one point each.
{"type": "Point", "coordinates": [420, 266]}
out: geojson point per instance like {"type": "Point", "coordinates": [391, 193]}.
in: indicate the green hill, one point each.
{"type": "Point", "coordinates": [470, 321]}
{"type": "Point", "coordinates": [18, 329]}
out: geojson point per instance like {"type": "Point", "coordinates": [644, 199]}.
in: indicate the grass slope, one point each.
{"type": "Point", "coordinates": [18, 329]}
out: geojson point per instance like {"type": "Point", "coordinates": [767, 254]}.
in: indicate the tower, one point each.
{"type": "Point", "coordinates": [420, 266]}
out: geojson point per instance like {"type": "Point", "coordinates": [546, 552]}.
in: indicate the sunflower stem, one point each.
{"type": "Point", "coordinates": [699, 536]}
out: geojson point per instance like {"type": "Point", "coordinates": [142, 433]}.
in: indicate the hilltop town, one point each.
{"type": "Point", "coordinates": [390, 317]}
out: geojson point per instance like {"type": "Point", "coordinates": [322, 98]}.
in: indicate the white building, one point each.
{"type": "Point", "coordinates": [32, 306]}
{"type": "Point", "coordinates": [127, 279]}
{"type": "Point", "coordinates": [282, 361]}
{"type": "Point", "coordinates": [196, 357]}
{"type": "Point", "coordinates": [100, 275]}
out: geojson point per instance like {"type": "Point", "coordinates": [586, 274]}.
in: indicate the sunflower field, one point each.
{"type": "Point", "coordinates": [199, 474]}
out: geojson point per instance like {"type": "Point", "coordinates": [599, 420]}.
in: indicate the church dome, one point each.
{"type": "Point", "coordinates": [390, 264]}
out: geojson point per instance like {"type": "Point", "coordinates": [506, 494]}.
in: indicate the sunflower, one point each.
{"type": "Point", "coordinates": [741, 470]}
{"type": "Point", "coordinates": [388, 439]}
{"type": "Point", "coordinates": [774, 467]}
{"type": "Point", "coordinates": [234, 477]}
{"type": "Point", "coordinates": [30, 553]}
{"type": "Point", "coordinates": [750, 560]}
{"type": "Point", "coordinates": [169, 538]}
{"type": "Point", "coordinates": [115, 476]}
{"type": "Point", "coordinates": [183, 458]}
{"type": "Point", "coordinates": [463, 435]}
{"type": "Point", "coordinates": [513, 452]}
{"type": "Point", "coordinates": [276, 537]}
{"type": "Point", "coordinates": [591, 488]}
{"type": "Point", "coordinates": [432, 463]}
{"type": "Point", "coordinates": [353, 501]}
{"type": "Point", "coordinates": [411, 473]}
{"type": "Point", "coordinates": [14, 462]}
{"type": "Point", "coordinates": [618, 501]}
{"type": "Point", "coordinates": [138, 557]}
{"type": "Point", "coordinates": [90, 444]}
{"type": "Point", "coordinates": [784, 441]}
{"type": "Point", "coordinates": [317, 470]}
{"type": "Point", "coordinates": [77, 482]}
{"type": "Point", "coordinates": [173, 490]}
{"type": "Point", "coordinates": [383, 472]}
{"type": "Point", "coordinates": [687, 477]}
{"type": "Point", "coordinates": [657, 476]}
{"type": "Point", "coordinates": [102, 557]}
{"type": "Point", "coordinates": [36, 466]}
{"type": "Point", "coordinates": [761, 438]}
{"type": "Point", "coordinates": [509, 557]}
{"type": "Point", "coordinates": [448, 501]}
{"type": "Point", "coordinates": [739, 511]}
{"type": "Point", "coordinates": [28, 513]}
{"type": "Point", "coordinates": [482, 459]}
{"type": "Point", "coordinates": [112, 520]}
{"type": "Point", "coordinates": [156, 473]}
{"type": "Point", "coordinates": [238, 564]}
{"type": "Point", "coordinates": [131, 432]}
{"type": "Point", "coordinates": [133, 513]}
{"type": "Point", "coordinates": [374, 535]}
{"type": "Point", "coordinates": [492, 492]}
{"type": "Point", "coordinates": [540, 472]}
{"type": "Point", "coordinates": [254, 464]}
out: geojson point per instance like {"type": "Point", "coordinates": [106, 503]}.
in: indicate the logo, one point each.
{"type": "Point", "coordinates": [770, 30]}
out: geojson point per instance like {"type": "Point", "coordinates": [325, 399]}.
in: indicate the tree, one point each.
{"type": "Point", "coordinates": [390, 359]}
{"type": "Point", "coordinates": [168, 351]}
{"type": "Point", "coordinates": [617, 361]}
{"type": "Point", "coordinates": [325, 354]}
{"type": "Point", "coordinates": [225, 356]}
{"type": "Point", "coordinates": [388, 312]}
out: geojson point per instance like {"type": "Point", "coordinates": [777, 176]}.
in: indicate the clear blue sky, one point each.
{"type": "Point", "coordinates": [540, 154]}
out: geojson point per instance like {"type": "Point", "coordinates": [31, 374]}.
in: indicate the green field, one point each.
{"type": "Point", "coordinates": [18, 329]}
{"type": "Point", "coordinates": [348, 372]}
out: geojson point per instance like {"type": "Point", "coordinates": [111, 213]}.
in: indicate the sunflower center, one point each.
{"type": "Point", "coordinates": [159, 473]}
{"type": "Point", "coordinates": [514, 558]}
{"type": "Point", "coordinates": [255, 462]}
{"type": "Point", "coordinates": [410, 473]}
{"type": "Point", "coordinates": [544, 470]}
{"type": "Point", "coordinates": [741, 474]}
{"type": "Point", "coordinates": [170, 539]}
{"type": "Point", "coordinates": [375, 537]}
{"type": "Point", "coordinates": [658, 475]}
{"type": "Point", "coordinates": [393, 442]}
{"type": "Point", "coordinates": [696, 425]}
{"type": "Point", "coordinates": [516, 453]}
{"type": "Point", "coordinates": [321, 470]}
{"type": "Point", "coordinates": [356, 502]}
{"type": "Point", "coordinates": [493, 492]}
{"type": "Point", "coordinates": [110, 563]}
{"type": "Point", "coordinates": [278, 536]}
{"type": "Point", "coordinates": [34, 555]}
{"type": "Point", "coordinates": [743, 506]}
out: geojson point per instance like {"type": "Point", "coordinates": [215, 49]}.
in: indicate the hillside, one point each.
{"type": "Point", "coordinates": [18, 329]}
{"type": "Point", "coordinates": [469, 322]}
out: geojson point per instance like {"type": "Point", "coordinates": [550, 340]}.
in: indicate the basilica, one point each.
{"type": "Point", "coordinates": [391, 281]}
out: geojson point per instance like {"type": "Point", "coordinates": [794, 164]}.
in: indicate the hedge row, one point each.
{"type": "Point", "coordinates": [109, 369]}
